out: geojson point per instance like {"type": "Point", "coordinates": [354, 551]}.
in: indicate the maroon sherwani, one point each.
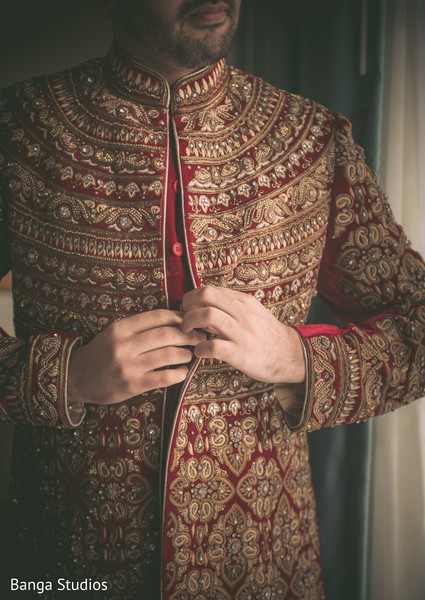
{"type": "Point", "coordinates": [203, 492]}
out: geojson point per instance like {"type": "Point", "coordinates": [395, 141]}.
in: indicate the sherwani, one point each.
{"type": "Point", "coordinates": [277, 202]}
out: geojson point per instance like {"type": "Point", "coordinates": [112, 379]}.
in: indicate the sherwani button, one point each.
{"type": "Point", "coordinates": [177, 249]}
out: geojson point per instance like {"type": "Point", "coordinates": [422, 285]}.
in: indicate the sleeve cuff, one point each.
{"type": "Point", "coordinates": [47, 401]}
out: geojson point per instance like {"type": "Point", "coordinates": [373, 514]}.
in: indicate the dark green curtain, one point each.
{"type": "Point", "coordinates": [330, 51]}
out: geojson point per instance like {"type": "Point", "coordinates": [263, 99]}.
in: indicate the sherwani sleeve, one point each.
{"type": "Point", "coordinates": [374, 283]}
{"type": "Point", "coordinates": [33, 372]}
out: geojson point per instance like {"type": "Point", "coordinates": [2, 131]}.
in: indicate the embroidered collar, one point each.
{"type": "Point", "coordinates": [143, 85]}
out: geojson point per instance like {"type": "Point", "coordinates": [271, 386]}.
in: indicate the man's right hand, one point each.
{"type": "Point", "coordinates": [129, 356]}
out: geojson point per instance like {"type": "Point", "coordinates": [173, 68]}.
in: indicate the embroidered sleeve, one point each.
{"type": "Point", "coordinates": [374, 282]}
{"type": "Point", "coordinates": [33, 380]}
{"type": "Point", "coordinates": [33, 375]}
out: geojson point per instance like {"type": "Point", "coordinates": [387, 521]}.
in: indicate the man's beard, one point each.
{"type": "Point", "coordinates": [167, 38]}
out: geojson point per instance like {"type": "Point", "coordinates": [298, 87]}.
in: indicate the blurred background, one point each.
{"type": "Point", "coordinates": [366, 59]}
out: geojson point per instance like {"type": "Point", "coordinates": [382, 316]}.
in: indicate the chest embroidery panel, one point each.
{"type": "Point", "coordinates": [88, 210]}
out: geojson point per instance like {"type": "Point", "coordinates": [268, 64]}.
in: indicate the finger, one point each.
{"type": "Point", "coordinates": [165, 357]}
{"type": "Point", "coordinates": [210, 319]}
{"type": "Point", "coordinates": [163, 337]}
{"type": "Point", "coordinates": [147, 320]}
{"type": "Point", "coordinates": [220, 349]}
{"type": "Point", "coordinates": [229, 301]}
{"type": "Point", "coordinates": [161, 379]}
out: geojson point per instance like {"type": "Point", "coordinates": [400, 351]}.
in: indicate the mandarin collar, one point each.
{"type": "Point", "coordinates": [143, 85]}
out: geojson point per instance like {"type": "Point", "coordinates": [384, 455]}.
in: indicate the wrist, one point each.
{"type": "Point", "coordinates": [294, 361]}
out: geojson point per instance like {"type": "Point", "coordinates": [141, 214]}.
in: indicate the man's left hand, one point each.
{"type": "Point", "coordinates": [250, 338]}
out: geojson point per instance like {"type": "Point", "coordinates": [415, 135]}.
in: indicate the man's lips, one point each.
{"type": "Point", "coordinates": [209, 14]}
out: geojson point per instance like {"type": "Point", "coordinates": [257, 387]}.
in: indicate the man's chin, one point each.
{"type": "Point", "coordinates": [197, 51]}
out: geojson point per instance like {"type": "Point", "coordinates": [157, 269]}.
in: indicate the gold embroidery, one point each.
{"type": "Point", "coordinates": [261, 487]}
{"type": "Point", "coordinates": [200, 490]}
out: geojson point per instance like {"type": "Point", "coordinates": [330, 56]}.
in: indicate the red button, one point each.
{"type": "Point", "coordinates": [177, 249]}
{"type": "Point", "coordinates": [176, 185]}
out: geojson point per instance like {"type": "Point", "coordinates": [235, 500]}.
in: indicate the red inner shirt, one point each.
{"type": "Point", "coordinates": [178, 279]}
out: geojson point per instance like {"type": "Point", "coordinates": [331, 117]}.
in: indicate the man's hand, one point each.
{"type": "Point", "coordinates": [123, 360]}
{"type": "Point", "coordinates": [250, 339]}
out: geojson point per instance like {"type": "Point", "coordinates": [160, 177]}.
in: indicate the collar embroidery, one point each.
{"type": "Point", "coordinates": [145, 86]}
